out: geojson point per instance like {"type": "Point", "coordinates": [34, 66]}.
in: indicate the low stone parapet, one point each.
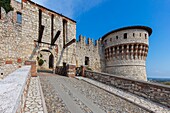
{"type": "Point", "coordinates": [71, 70]}
{"type": "Point", "coordinates": [156, 92]}
{"type": "Point", "coordinates": [33, 67]}
{"type": "Point", "coordinates": [13, 90]}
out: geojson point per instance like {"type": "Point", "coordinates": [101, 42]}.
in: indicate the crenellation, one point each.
{"type": "Point", "coordinates": [43, 31]}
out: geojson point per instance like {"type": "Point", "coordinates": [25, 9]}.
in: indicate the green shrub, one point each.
{"type": "Point", "coordinates": [88, 68]}
{"type": "Point", "coordinates": [40, 62]}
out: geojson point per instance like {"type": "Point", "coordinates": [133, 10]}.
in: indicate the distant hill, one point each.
{"type": "Point", "coordinates": [165, 81]}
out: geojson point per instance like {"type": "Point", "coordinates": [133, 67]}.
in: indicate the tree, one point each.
{"type": "Point", "coordinates": [6, 5]}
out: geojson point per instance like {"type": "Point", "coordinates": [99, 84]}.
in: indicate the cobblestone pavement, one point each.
{"type": "Point", "coordinates": [133, 98]}
{"type": "Point", "coordinates": [54, 103]}
{"type": "Point", "coordinates": [83, 96]}
{"type": "Point", "coordinates": [34, 103]}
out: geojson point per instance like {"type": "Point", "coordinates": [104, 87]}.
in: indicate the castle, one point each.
{"type": "Point", "coordinates": [32, 31]}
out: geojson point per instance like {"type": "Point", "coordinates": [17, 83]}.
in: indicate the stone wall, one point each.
{"type": "Point", "coordinates": [14, 90]}
{"type": "Point", "coordinates": [18, 40]}
{"type": "Point", "coordinates": [31, 20]}
{"type": "Point", "coordinates": [126, 51]}
{"type": "Point", "coordinates": [10, 36]}
{"type": "Point", "coordinates": [92, 51]}
{"type": "Point", "coordinates": [134, 72]}
{"type": "Point", "coordinates": [151, 91]}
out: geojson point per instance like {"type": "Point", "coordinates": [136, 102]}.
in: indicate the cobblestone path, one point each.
{"type": "Point", "coordinates": [34, 102]}
{"type": "Point", "coordinates": [70, 95]}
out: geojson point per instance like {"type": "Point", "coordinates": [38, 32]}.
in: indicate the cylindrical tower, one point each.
{"type": "Point", "coordinates": [126, 51]}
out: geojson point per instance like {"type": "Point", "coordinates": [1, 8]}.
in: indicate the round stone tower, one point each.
{"type": "Point", "coordinates": [126, 51]}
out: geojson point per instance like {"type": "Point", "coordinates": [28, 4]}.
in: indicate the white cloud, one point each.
{"type": "Point", "coordinates": [73, 8]}
{"type": "Point", "coordinates": [70, 8]}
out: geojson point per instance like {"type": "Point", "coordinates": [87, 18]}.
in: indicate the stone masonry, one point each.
{"type": "Point", "coordinates": [44, 32]}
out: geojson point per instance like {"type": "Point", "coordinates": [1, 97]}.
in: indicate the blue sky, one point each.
{"type": "Point", "coordinates": [97, 17]}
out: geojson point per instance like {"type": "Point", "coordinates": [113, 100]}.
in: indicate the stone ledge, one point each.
{"type": "Point", "coordinates": [152, 91]}
{"type": "Point", "coordinates": [13, 90]}
{"type": "Point", "coordinates": [136, 100]}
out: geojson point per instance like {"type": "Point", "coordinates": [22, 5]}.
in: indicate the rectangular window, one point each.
{"type": "Point", "coordinates": [125, 35]}
{"type": "Point", "coordinates": [86, 60]}
{"type": "Point", "coordinates": [105, 42]}
{"type": "Point", "coordinates": [145, 36]}
{"type": "Point", "coordinates": [64, 31]}
{"type": "Point", "coordinates": [19, 17]}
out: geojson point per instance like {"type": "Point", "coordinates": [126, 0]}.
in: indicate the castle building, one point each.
{"type": "Point", "coordinates": [33, 32]}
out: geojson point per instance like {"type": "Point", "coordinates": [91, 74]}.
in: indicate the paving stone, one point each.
{"type": "Point", "coordinates": [34, 100]}
{"type": "Point", "coordinates": [101, 98]}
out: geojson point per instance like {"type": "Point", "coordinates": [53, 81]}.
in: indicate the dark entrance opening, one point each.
{"type": "Point", "coordinates": [51, 61]}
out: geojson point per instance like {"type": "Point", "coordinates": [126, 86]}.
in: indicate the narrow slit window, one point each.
{"type": "Point", "coordinates": [64, 31]}
{"type": "Point", "coordinates": [19, 17]}
{"type": "Point", "coordinates": [117, 37]}
{"type": "Point", "coordinates": [133, 34]}
{"type": "Point", "coordinates": [145, 36]}
{"type": "Point", "coordinates": [86, 60]}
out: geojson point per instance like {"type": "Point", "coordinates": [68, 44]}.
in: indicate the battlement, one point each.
{"type": "Point", "coordinates": [88, 41]}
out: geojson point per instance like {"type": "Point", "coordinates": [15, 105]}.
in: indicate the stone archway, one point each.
{"type": "Point", "coordinates": [48, 58]}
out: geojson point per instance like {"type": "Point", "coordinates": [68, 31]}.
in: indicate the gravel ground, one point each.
{"type": "Point", "coordinates": [104, 100]}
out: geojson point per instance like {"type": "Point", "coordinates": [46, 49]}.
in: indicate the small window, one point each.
{"type": "Point", "coordinates": [64, 31]}
{"type": "Point", "coordinates": [110, 39]}
{"type": "Point", "coordinates": [105, 42]}
{"type": "Point", "coordinates": [19, 17]}
{"type": "Point", "coordinates": [133, 34]}
{"type": "Point", "coordinates": [117, 37]}
{"type": "Point", "coordinates": [140, 34]}
{"type": "Point", "coordinates": [86, 60]}
{"type": "Point", "coordinates": [145, 36]}
{"type": "Point", "coordinates": [125, 35]}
